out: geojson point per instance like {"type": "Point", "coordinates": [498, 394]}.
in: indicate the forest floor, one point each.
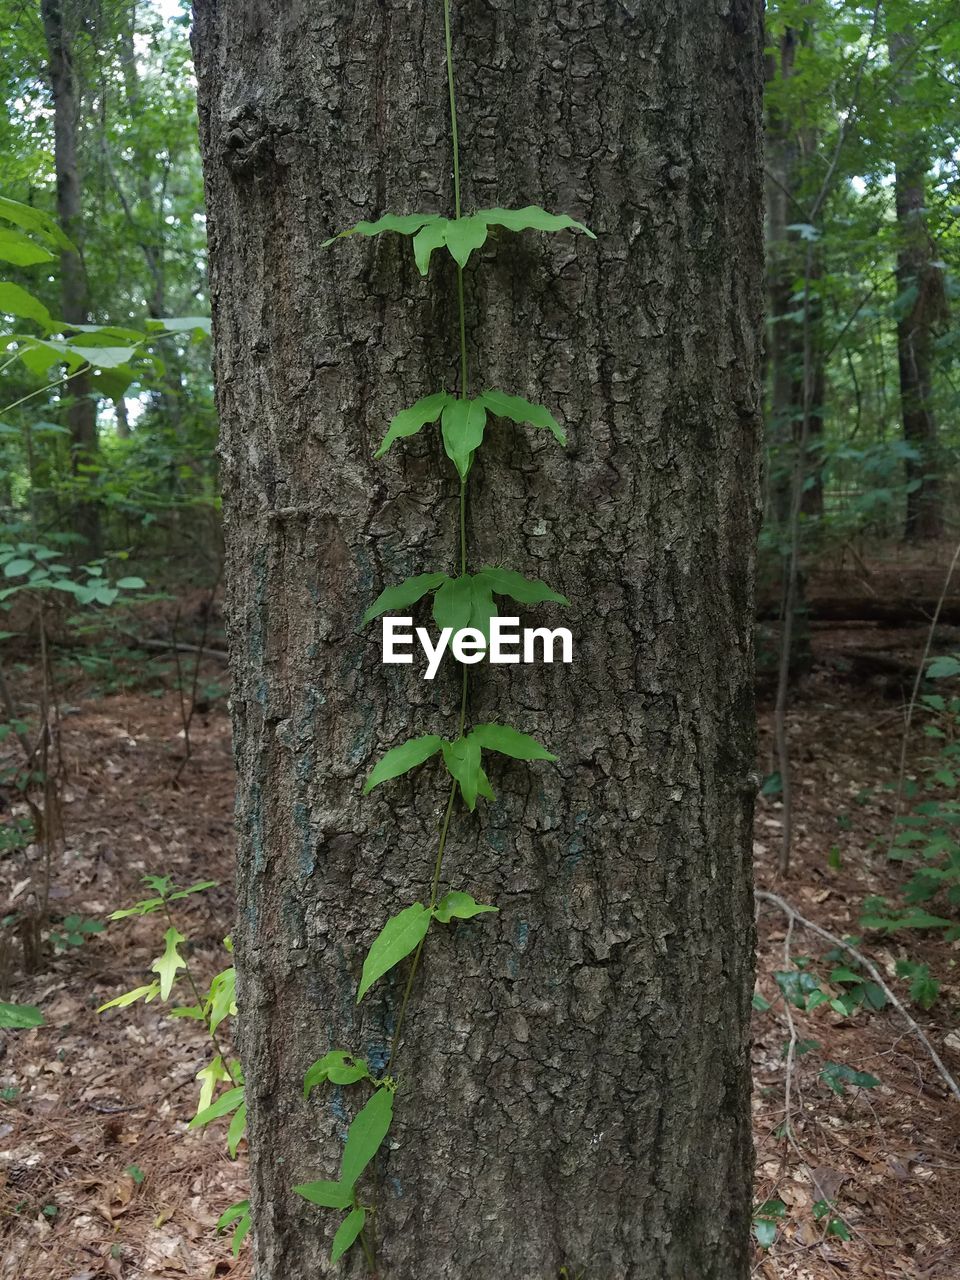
{"type": "Point", "coordinates": [99, 1175]}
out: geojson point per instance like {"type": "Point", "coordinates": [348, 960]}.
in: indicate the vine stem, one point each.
{"type": "Point", "coordinates": [188, 974]}
{"type": "Point", "coordinates": [464, 685]}
{"type": "Point", "coordinates": [369, 1246]}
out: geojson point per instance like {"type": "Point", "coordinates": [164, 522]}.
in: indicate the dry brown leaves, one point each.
{"type": "Point", "coordinates": [99, 1176]}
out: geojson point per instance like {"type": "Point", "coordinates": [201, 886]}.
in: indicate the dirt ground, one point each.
{"type": "Point", "coordinates": [99, 1175]}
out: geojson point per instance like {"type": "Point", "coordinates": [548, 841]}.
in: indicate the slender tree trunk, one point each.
{"type": "Point", "coordinates": [921, 302]}
{"type": "Point", "coordinates": [574, 1075]}
{"type": "Point", "coordinates": [60, 25]}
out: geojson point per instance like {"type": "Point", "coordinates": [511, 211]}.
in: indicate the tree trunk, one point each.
{"type": "Point", "coordinates": [921, 301]}
{"type": "Point", "coordinates": [574, 1075]}
{"type": "Point", "coordinates": [60, 25]}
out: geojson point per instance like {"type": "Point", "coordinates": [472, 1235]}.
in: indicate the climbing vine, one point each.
{"type": "Point", "coordinates": [460, 600]}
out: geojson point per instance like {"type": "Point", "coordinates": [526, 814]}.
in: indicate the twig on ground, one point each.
{"type": "Point", "coordinates": [793, 914]}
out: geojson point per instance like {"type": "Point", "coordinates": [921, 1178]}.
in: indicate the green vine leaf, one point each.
{"type": "Point", "coordinates": [532, 218]}
{"type": "Point", "coordinates": [459, 906]}
{"type": "Point", "coordinates": [168, 965]}
{"type": "Point", "coordinates": [328, 1195]}
{"type": "Point", "coordinates": [522, 412]}
{"type": "Point", "coordinates": [506, 582]}
{"type": "Point", "coordinates": [462, 425]}
{"type": "Point", "coordinates": [402, 759]}
{"type": "Point", "coordinates": [406, 224]}
{"type": "Point", "coordinates": [462, 759]}
{"type": "Point", "coordinates": [338, 1067]}
{"type": "Point", "coordinates": [404, 594]}
{"type": "Point", "coordinates": [366, 1134]}
{"type": "Point", "coordinates": [463, 235]}
{"type": "Point", "coordinates": [510, 742]}
{"type": "Point", "coordinates": [347, 1233]}
{"type": "Point", "coordinates": [399, 936]}
{"type": "Point", "coordinates": [424, 243]}
{"type": "Point", "coordinates": [482, 606]}
{"type": "Point", "coordinates": [453, 604]}
{"type": "Point", "coordinates": [224, 1105]}
{"type": "Point", "coordinates": [409, 421]}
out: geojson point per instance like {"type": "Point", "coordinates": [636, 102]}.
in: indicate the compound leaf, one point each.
{"type": "Point", "coordinates": [398, 937]}
{"type": "Point", "coordinates": [510, 742]}
{"type": "Point", "coordinates": [404, 594]}
{"type": "Point", "coordinates": [402, 759]}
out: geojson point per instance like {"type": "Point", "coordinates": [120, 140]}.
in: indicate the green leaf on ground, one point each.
{"type": "Point", "coordinates": [19, 1017]}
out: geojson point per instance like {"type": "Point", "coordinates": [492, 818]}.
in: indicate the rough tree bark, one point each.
{"type": "Point", "coordinates": [61, 23]}
{"type": "Point", "coordinates": [575, 1074]}
{"type": "Point", "coordinates": [921, 303]}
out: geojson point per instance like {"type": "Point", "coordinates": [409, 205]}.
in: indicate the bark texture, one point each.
{"type": "Point", "coordinates": [921, 303]}
{"type": "Point", "coordinates": [62, 20]}
{"type": "Point", "coordinates": [575, 1069]}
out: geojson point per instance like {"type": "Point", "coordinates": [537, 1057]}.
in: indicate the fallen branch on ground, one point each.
{"type": "Point", "coordinates": [793, 915]}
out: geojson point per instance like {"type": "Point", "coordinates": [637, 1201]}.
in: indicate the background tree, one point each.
{"type": "Point", "coordinates": [921, 300]}
{"type": "Point", "coordinates": [62, 26]}
{"type": "Point", "coordinates": [625, 929]}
